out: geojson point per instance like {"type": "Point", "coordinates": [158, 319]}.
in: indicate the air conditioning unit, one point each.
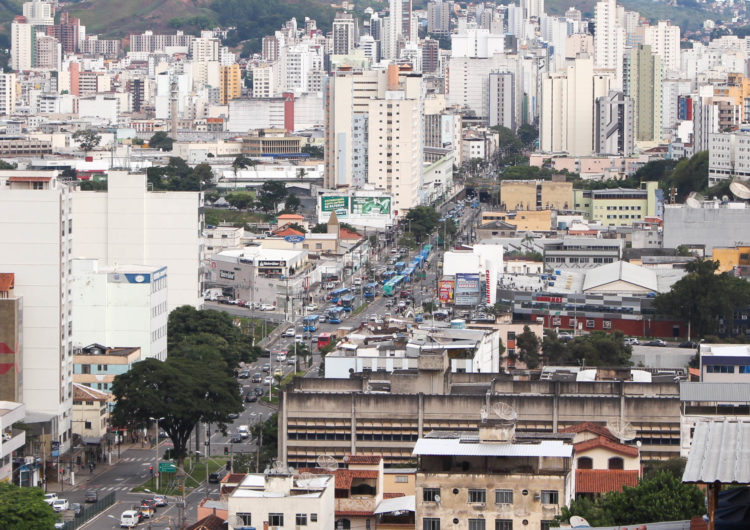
{"type": "Point", "coordinates": [537, 496]}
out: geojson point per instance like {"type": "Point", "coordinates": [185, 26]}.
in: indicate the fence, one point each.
{"type": "Point", "coordinates": [90, 511]}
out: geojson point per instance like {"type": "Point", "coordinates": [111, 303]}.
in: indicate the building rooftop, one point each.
{"type": "Point", "coordinates": [457, 444]}
{"type": "Point", "coordinates": [720, 452]}
{"type": "Point", "coordinates": [621, 271]}
{"type": "Point", "coordinates": [85, 393]}
{"type": "Point", "coordinates": [604, 480]}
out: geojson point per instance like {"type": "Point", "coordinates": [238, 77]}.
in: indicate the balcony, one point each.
{"type": "Point", "coordinates": [12, 441]}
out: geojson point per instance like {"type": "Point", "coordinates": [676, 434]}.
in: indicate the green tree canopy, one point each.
{"type": "Point", "coordinates": [702, 297]}
{"type": "Point", "coordinates": [597, 348]}
{"type": "Point", "coordinates": [241, 200]}
{"type": "Point", "coordinates": [183, 391]}
{"type": "Point", "coordinates": [160, 140]}
{"type": "Point", "coordinates": [528, 134]}
{"type": "Point", "coordinates": [87, 139]}
{"type": "Point", "coordinates": [662, 497]}
{"type": "Point", "coordinates": [24, 508]}
{"type": "Point", "coordinates": [690, 174]}
{"type": "Point", "coordinates": [421, 221]}
{"type": "Point", "coordinates": [177, 175]}
{"type": "Point", "coordinates": [270, 195]}
{"type": "Point", "coordinates": [320, 228]}
{"type": "Point", "coordinates": [509, 145]}
{"type": "Point", "coordinates": [292, 203]}
{"type": "Point", "coordinates": [315, 151]}
{"type": "Point", "coordinates": [527, 347]}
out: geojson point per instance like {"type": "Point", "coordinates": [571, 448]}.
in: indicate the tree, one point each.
{"type": "Point", "coordinates": [420, 221]}
{"type": "Point", "coordinates": [240, 199]}
{"type": "Point", "coordinates": [268, 432]}
{"type": "Point", "coordinates": [270, 195]}
{"type": "Point", "coordinates": [241, 162]}
{"type": "Point", "coordinates": [509, 145]}
{"type": "Point", "coordinates": [87, 140]}
{"type": "Point", "coordinates": [5, 166]}
{"type": "Point", "coordinates": [527, 344]}
{"type": "Point", "coordinates": [315, 151]}
{"type": "Point", "coordinates": [160, 140]}
{"type": "Point", "coordinates": [24, 508]}
{"type": "Point", "coordinates": [528, 134]}
{"type": "Point", "coordinates": [690, 174]}
{"type": "Point", "coordinates": [292, 203]}
{"type": "Point", "coordinates": [178, 176]}
{"type": "Point", "coordinates": [320, 228]}
{"type": "Point", "coordinates": [597, 348]}
{"type": "Point", "coordinates": [181, 392]}
{"type": "Point", "coordinates": [702, 297]}
{"type": "Point", "coordinates": [662, 497]}
{"type": "Point", "coordinates": [296, 226]}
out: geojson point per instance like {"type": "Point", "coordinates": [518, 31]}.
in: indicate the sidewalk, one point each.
{"type": "Point", "coordinates": [83, 475]}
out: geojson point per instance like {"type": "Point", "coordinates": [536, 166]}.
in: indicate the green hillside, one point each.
{"type": "Point", "coordinates": [8, 10]}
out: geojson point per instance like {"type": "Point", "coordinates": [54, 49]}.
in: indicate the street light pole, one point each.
{"type": "Point", "coordinates": [156, 452]}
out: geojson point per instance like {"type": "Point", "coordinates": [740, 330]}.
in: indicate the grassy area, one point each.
{"type": "Point", "coordinates": [360, 309]}
{"type": "Point", "coordinates": [195, 475]}
{"type": "Point", "coordinates": [214, 216]}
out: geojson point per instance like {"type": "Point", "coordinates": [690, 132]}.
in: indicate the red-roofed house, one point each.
{"type": "Point", "coordinates": [289, 218]}
{"type": "Point", "coordinates": [286, 231]}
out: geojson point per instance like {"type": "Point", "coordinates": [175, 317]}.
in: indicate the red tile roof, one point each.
{"type": "Point", "coordinates": [363, 459]}
{"type": "Point", "coordinates": [233, 478]}
{"type": "Point", "coordinates": [291, 216]}
{"type": "Point", "coordinates": [210, 522]}
{"type": "Point", "coordinates": [351, 513]}
{"type": "Point", "coordinates": [589, 426]}
{"type": "Point", "coordinates": [288, 232]}
{"type": "Point", "coordinates": [345, 233]}
{"type": "Point", "coordinates": [343, 477]}
{"type": "Point", "coordinates": [627, 450]}
{"type": "Point", "coordinates": [604, 480]}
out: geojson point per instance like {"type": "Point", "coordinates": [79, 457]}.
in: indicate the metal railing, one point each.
{"type": "Point", "coordinates": [90, 511]}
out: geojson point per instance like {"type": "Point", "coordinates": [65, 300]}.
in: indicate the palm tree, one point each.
{"type": "Point", "coordinates": [241, 162]}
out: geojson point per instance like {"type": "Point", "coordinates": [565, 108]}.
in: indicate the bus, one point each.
{"type": "Point", "coordinates": [335, 314]}
{"type": "Point", "coordinates": [310, 322]}
{"type": "Point", "coordinates": [426, 251]}
{"type": "Point", "coordinates": [399, 266]}
{"type": "Point", "coordinates": [408, 273]}
{"type": "Point", "coordinates": [324, 339]}
{"type": "Point", "coordinates": [346, 302]}
{"type": "Point", "coordinates": [370, 289]}
{"type": "Point", "coordinates": [387, 275]}
{"type": "Point", "coordinates": [389, 289]}
{"type": "Point", "coordinates": [336, 294]}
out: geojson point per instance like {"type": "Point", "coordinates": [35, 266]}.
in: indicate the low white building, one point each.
{"type": "Point", "coordinates": [222, 237]}
{"type": "Point", "coordinates": [90, 413]}
{"type": "Point", "coordinates": [11, 439]}
{"type": "Point", "coordinates": [123, 305]}
{"type": "Point", "coordinates": [282, 501]}
{"type": "Point", "coordinates": [482, 265]}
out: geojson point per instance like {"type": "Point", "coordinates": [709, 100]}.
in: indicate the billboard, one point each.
{"type": "Point", "coordinates": [337, 203]}
{"type": "Point", "coordinates": [445, 291]}
{"type": "Point", "coordinates": [371, 205]}
{"type": "Point", "coordinates": [467, 291]}
{"type": "Point", "coordinates": [446, 130]}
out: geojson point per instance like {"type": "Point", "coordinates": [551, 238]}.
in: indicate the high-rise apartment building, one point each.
{"type": "Point", "coordinates": [39, 13]}
{"type": "Point", "coordinates": [664, 39]}
{"type": "Point", "coordinates": [502, 100]}
{"type": "Point", "coordinates": [430, 56]}
{"type": "Point", "coordinates": [534, 8]}
{"type": "Point", "coordinates": [264, 81]}
{"type": "Point", "coordinates": [270, 50]}
{"type": "Point", "coordinates": [609, 40]}
{"type": "Point", "coordinates": [644, 86]}
{"type": "Point", "coordinates": [68, 32]}
{"type": "Point", "coordinates": [36, 241]}
{"type": "Point", "coordinates": [439, 17]}
{"type": "Point", "coordinates": [613, 125]}
{"type": "Point", "coordinates": [21, 46]}
{"type": "Point", "coordinates": [205, 47]}
{"type": "Point", "coordinates": [47, 53]}
{"type": "Point", "coordinates": [230, 83]}
{"type": "Point", "coordinates": [344, 34]}
{"type": "Point", "coordinates": [394, 29]}
{"type": "Point", "coordinates": [7, 94]}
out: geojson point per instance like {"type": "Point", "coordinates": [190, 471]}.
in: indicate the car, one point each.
{"type": "Point", "coordinates": [280, 357]}
{"type": "Point", "coordinates": [279, 372]}
{"type": "Point", "coordinates": [688, 344]}
{"type": "Point", "coordinates": [60, 505]}
{"type": "Point", "coordinates": [357, 281]}
{"type": "Point", "coordinates": [267, 367]}
{"type": "Point", "coordinates": [291, 361]}
{"type": "Point", "coordinates": [311, 307]}
{"type": "Point", "coordinates": [250, 397]}
{"type": "Point", "coordinates": [244, 374]}
{"type": "Point", "coordinates": [257, 378]}
{"type": "Point", "coordinates": [656, 342]}
{"type": "Point", "coordinates": [307, 335]}
{"type": "Point", "coordinates": [633, 341]}
{"type": "Point", "coordinates": [243, 431]}
{"type": "Point", "coordinates": [147, 511]}
{"type": "Point", "coordinates": [289, 332]}
{"type": "Point", "coordinates": [160, 500]}
{"type": "Point", "coordinates": [150, 502]}
{"type": "Point", "coordinates": [233, 415]}
{"type": "Point", "coordinates": [91, 496]}
{"type": "Point", "coordinates": [259, 391]}
{"type": "Point", "coordinates": [216, 476]}
{"type": "Point", "coordinates": [268, 381]}
{"type": "Point", "coordinates": [298, 338]}
{"type": "Point", "coordinates": [235, 439]}
{"type": "Point", "coordinates": [76, 508]}
{"type": "Point", "coordinates": [130, 518]}
{"type": "Point", "coordinates": [60, 525]}
{"type": "Point", "coordinates": [330, 285]}
{"type": "Point", "coordinates": [49, 498]}
{"type": "Point", "coordinates": [267, 307]}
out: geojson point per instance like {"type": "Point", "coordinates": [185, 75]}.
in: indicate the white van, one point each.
{"type": "Point", "coordinates": [129, 519]}
{"type": "Point", "coordinates": [243, 431]}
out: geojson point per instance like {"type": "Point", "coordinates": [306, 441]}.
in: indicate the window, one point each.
{"type": "Point", "coordinates": [343, 524]}
{"type": "Point", "coordinates": [476, 524]}
{"type": "Point", "coordinates": [503, 496]}
{"type": "Point", "coordinates": [719, 369]}
{"type": "Point", "coordinates": [402, 479]}
{"type": "Point", "coordinates": [585, 462]}
{"type": "Point", "coordinates": [616, 463]}
{"type": "Point", "coordinates": [246, 518]}
{"type": "Point", "coordinates": [87, 425]}
{"type": "Point", "coordinates": [745, 369]}
{"type": "Point", "coordinates": [301, 519]}
{"type": "Point", "coordinates": [477, 495]}
{"type": "Point", "coordinates": [429, 494]}
{"type": "Point", "coordinates": [503, 524]}
{"type": "Point", "coordinates": [549, 497]}
{"type": "Point", "coordinates": [275, 519]}
{"type": "Point", "coordinates": [430, 523]}
{"type": "Point", "coordinates": [313, 517]}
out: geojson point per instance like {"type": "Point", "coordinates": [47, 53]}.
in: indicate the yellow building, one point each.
{"type": "Point", "coordinates": [230, 83]}
{"type": "Point", "coordinates": [736, 89]}
{"type": "Point", "coordinates": [271, 142]}
{"type": "Point", "coordinates": [536, 195]}
{"type": "Point", "coordinates": [617, 206]}
{"type": "Point", "coordinates": [524, 220]}
{"type": "Point", "coordinates": [731, 257]}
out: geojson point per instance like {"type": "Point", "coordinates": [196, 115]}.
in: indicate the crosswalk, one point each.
{"type": "Point", "coordinates": [132, 459]}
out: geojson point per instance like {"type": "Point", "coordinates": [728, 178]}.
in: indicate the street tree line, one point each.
{"type": "Point", "coordinates": [597, 348]}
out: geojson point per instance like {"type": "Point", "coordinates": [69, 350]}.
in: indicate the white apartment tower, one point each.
{"type": "Point", "coordinates": [39, 13]}
{"type": "Point", "coordinates": [7, 94]}
{"type": "Point", "coordinates": [534, 8]}
{"type": "Point", "coordinates": [37, 240]}
{"type": "Point", "coordinates": [394, 29]}
{"type": "Point", "coordinates": [609, 40]}
{"type": "Point", "coordinates": [21, 33]}
{"type": "Point", "coordinates": [664, 39]}
{"type": "Point", "coordinates": [344, 34]}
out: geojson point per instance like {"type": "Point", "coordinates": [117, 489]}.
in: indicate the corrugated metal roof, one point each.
{"type": "Point", "coordinates": [455, 447]}
{"type": "Point", "coordinates": [720, 453]}
{"type": "Point", "coordinates": [722, 392]}
{"type": "Point", "coordinates": [396, 504]}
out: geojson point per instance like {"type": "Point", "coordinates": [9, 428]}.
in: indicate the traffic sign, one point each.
{"type": "Point", "coordinates": [167, 467]}
{"type": "Point", "coordinates": [294, 239]}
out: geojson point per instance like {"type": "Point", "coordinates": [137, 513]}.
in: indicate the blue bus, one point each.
{"type": "Point", "coordinates": [336, 294]}
{"type": "Point", "coordinates": [407, 274]}
{"type": "Point", "coordinates": [370, 289]}
{"type": "Point", "coordinates": [387, 275]}
{"type": "Point", "coordinates": [389, 289]}
{"type": "Point", "coordinates": [346, 302]}
{"type": "Point", "coordinates": [399, 266]}
{"type": "Point", "coordinates": [309, 323]}
{"type": "Point", "coordinates": [334, 315]}
{"type": "Point", "coordinates": [426, 251]}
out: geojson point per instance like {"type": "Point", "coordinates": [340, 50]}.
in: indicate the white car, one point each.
{"type": "Point", "coordinates": [288, 333]}
{"type": "Point", "coordinates": [129, 519]}
{"type": "Point", "coordinates": [49, 498]}
{"type": "Point", "coordinates": [312, 307]}
{"type": "Point", "coordinates": [60, 505]}
{"type": "Point", "coordinates": [358, 281]}
{"type": "Point", "coordinates": [268, 380]}
{"type": "Point", "coordinates": [330, 285]}
{"type": "Point", "coordinates": [267, 307]}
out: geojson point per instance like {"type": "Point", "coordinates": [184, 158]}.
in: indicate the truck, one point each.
{"type": "Point", "coordinates": [243, 431]}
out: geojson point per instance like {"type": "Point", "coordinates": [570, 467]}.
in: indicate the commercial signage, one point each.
{"type": "Point", "coordinates": [294, 239]}
{"type": "Point", "coordinates": [445, 291]}
{"type": "Point", "coordinates": [467, 291]}
{"type": "Point", "coordinates": [488, 285]}
{"type": "Point", "coordinates": [226, 275]}
{"type": "Point", "coordinates": [55, 448]}
{"type": "Point", "coordinates": [338, 204]}
{"type": "Point", "coordinates": [446, 129]}
{"type": "Point", "coordinates": [371, 206]}
{"type": "Point", "coordinates": [167, 467]}
{"type": "Point", "coordinates": [271, 264]}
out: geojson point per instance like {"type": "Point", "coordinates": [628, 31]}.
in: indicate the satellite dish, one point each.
{"type": "Point", "coordinates": [327, 462]}
{"type": "Point", "coordinates": [621, 429]}
{"type": "Point", "coordinates": [694, 200]}
{"type": "Point", "coordinates": [504, 411]}
{"type": "Point", "coordinates": [437, 499]}
{"type": "Point", "coordinates": [740, 188]}
{"type": "Point", "coordinates": [576, 521]}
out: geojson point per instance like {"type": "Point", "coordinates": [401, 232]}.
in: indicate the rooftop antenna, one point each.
{"type": "Point", "coordinates": [621, 429]}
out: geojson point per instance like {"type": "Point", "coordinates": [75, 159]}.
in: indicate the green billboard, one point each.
{"type": "Point", "coordinates": [339, 204]}
{"type": "Point", "coordinates": [371, 205]}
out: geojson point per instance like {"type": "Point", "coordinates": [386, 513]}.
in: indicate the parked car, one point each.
{"type": "Point", "coordinates": [233, 415]}
{"type": "Point", "coordinates": [76, 508]}
{"type": "Point", "coordinates": [280, 357]}
{"type": "Point", "coordinates": [688, 344]}
{"type": "Point", "coordinates": [299, 338]}
{"type": "Point", "coordinates": [160, 500]}
{"type": "Point", "coordinates": [150, 502]}
{"type": "Point", "coordinates": [216, 476]}
{"type": "Point", "coordinates": [250, 397]}
{"type": "Point", "coordinates": [91, 496]}
{"type": "Point", "coordinates": [259, 391]}
{"type": "Point", "coordinates": [267, 307]}
{"type": "Point", "coordinates": [278, 372]}
{"type": "Point", "coordinates": [243, 431]}
{"type": "Point", "coordinates": [49, 498]}
{"type": "Point", "coordinates": [257, 378]}
{"type": "Point", "coordinates": [656, 342]}
{"type": "Point", "coordinates": [60, 505]}
{"type": "Point", "coordinates": [330, 285]}
{"type": "Point", "coordinates": [289, 332]}
{"type": "Point", "coordinates": [633, 341]}
{"type": "Point", "coordinates": [291, 361]}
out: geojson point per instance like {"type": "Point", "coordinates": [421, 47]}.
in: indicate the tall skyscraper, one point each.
{"type": "Point", "coordinates": [39, 13]}
{"type": "Point", "coordinates": [344, 34]}
{"type": "Point", "coordinates": [230, 83]}
{"type": "Point", "coordinates": [664, 39]}
{"type": "Point", "coordinates": [21, 33]}
{"type": "Point", "coordinates": [47, 53]}
{"type": "Point", "coordinates": [502, 104]}
{"type": "Point", "coordinates": [430, 56]}
{"type": "Point", "coordinates": [7, 93]}
{"type": "Point", "coordinates": [534, 8]}
{"type": "Point", "coordinates": [644, 86]}
{"type": "Point", "coordinates": [395, 29]}
{"type": "Point", "coordinates": [609, 40]}
{"type": "Point", "coordinates": [439, 17]}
